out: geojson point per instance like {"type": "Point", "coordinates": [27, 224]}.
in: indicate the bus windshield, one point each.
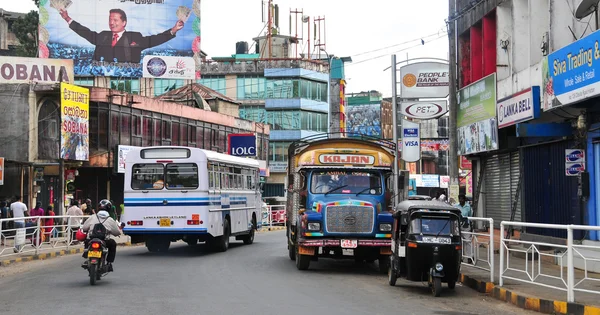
{"type": "Point", "coordinates": [152, 176]}
{"type": "Point", "coordinates": [346, 182]}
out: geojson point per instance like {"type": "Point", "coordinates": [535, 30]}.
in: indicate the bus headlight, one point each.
{"type": "Point", "coordinates": [385, 227]}
{"type": "Point", "coordinates": [314, 226]}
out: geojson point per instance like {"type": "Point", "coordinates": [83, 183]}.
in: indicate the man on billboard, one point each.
{"type": "Point", "coordinates": [119, 45]}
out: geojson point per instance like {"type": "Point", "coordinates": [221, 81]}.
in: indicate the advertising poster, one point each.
{"type": "Point", "coordinates": [569, 73]}
{"type": "Point", "coordinates": [75, 112]}
{"type": "Point", "coordinates": [122, 156]}
{"type": "Point", "coordinates": [1, 171]}
{"type": "Point", "coordinates": [476, 121]}
{"type": "Point", "coordinates": [425, 80]}
{"type": "Point", "coordinates": [111, 37]}
{"type": "Point", "coordinates": [364, 120]}
{"type": "Point", "coordinates": [411, 141]}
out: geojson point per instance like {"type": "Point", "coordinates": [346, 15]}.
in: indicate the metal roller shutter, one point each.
{"type": "Point", "coordinates": [500, 185]}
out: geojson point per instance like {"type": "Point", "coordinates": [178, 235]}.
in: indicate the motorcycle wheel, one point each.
{"type": "Point", "coordinates": [92, 270]}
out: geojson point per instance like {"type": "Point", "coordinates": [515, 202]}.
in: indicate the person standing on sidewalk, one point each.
{"type": "Point", "coordinates": [38, 211]}
{"type": "Point", "coordinates": [466, 211]}
{"type": "Point", "coordinates": [74, 223]}
{"type": "Point", "coordinates": [49, 224]}
{"type": "Point", "coordinates": [19, 211]}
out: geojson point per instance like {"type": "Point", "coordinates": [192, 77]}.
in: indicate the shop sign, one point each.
{"type": "Point", "coordinates": [75, 113]}
{"type": "Point", "coordinates": [278, 167]}
{"type": "Point", "coordinates": [429, 180]}
{"type": "Point", "coordinates": [574, 162]}
{"type": "Point", "coordinates": [424, 80]}
{"type": "Point", "coordinates": [569, 74]}
{"type": "Point", "coordinates": [242, 144]}
{"type": "Point", "coordinates": [520, 107]}
{"type": "Point", "coordinates": [411, 141]}
{"type": "Point", "coordinates": [424, 110]}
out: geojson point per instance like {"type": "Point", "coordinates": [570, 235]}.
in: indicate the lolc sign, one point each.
{"type": "Point", "coordinates": [242, 144]}
{"type": "Point", "coordinates": [346, 159]}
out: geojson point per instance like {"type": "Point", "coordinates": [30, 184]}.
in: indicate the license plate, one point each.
{"type": "Point", "coordinates": [347, 252]}
{"type": "Point", "coordinates": [165, 222]}
{"type": "Point", "coordinates": [303, 250]}
{"type": "Point", "coordinates": [94, 254]}
{"type": "Point", "coordinates": [349, 244]}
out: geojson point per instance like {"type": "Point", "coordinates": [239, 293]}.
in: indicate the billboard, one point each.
{"type": "Point", "coordinates": [1, 171]}
{"type": "Point", "coordinates": [569, 73]}
{"type": "Point", "coordinates": [25, 70]}
{"type": "Point", "coordinates": [111, 37]}
{"type": "Point", "coordinates": [167, 67]}
{"type": "Point", "coordinates": [75, 113]}
{"type": "Point", "coordinates": [364, 119]}
{"type": "Point", "coordinates": [425, 80]}
{"type": "Point", "coordinates": [241, 144]}
{"type": "Point", "coordinates": [476, 117]}
{"type": "Point", "coordinates": [519, 107]}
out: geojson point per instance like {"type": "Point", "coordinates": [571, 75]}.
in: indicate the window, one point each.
{"type": "Point", "coordinates": [125, 129]}
{"type": "Point", "coordinates": [192, 136]}
{"type": "Point", "coordinates": [175, 133]}
{"type": "Point", "coordinates": [250, 87]}
{"type": "Point", "coordinates": [136, 125]}
{"type": "Point", "coordinates": [102, 129]}
{"type": "Point", "coordinates": [182, 176]}
{"type": "Point", "coordinates": [129, 85]}
{"type": "Point", "coordinates": [84, 81]}
{"type": "Point", "coordinates": [345, 182]}
{"type": "Point", "coordinates": [162, 86]}
{"type": "Point", "coordinates": [158, 131]}
{"type": "Point", "coordinates": [147, 177]}
{"type": "Point", "coordinates": [216, 83]}
{"type": "Point", "coordinates": [147, 132]}
{"type": "Point", "coordinates": [166, 127]}
{"type": "Point", "coordinates": [434, 226]}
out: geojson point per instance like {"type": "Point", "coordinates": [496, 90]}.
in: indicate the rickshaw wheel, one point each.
{"type": "Point", "coordinates": [436, 288]}
{"type": "Point", "coordinates": [451, 285]}
{"type": "Point", "coordinates": [392, 276]}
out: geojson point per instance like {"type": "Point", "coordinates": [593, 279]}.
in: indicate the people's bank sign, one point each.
{"type": "Point", "coordinates": [569, 74]}
{"type": "Point", "coordinates": [243, 144]}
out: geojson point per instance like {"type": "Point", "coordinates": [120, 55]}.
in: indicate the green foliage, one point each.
{"type": "Point", "coordinates": [26, 30]}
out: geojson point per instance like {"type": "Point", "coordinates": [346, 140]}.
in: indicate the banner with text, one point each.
{"type": "Point", "coordinates": [26, 70]}
{"type": "Point", "coordinates": [75, 112]}
{"type": "Point", "coordinates": [476, 121]}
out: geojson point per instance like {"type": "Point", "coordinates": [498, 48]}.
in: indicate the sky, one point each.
{"type": "Point", "coordinates": [358, 29]}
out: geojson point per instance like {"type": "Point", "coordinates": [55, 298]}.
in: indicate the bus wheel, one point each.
{"type": "Point", "coordinates": [221, 243]}
{"type": "Point", "coordinates": [249, 239]}
{"type": "Point", "coordinates": [192, 241]}
{"type": "Point", "coordinates": [164, 245]}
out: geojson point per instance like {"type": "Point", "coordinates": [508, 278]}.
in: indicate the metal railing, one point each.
{"type": "Point", "coordinates": [543, 275]}
{"type": "Point", "coordinates": [36, 235]}
{"type": "Point", "coordinates": [273, 215]}
{"type": "Point", "coordinates": [474, 242]}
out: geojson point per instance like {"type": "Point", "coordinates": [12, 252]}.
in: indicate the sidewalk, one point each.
{"type": "Point", "coordinates": [534, 296]}
{"type": "Point", "coordinates": [47, 252]}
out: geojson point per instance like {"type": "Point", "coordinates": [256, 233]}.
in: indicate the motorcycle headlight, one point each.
{"type": "Point", "coordinates": [385, 227]}
{"type": "Point", "coordinates": [314, 226]}
{"type": "Point", "coordinates": [439, 267]}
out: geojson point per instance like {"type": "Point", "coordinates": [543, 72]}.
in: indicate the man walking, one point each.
{"type": "Point", "coordinates": [19, 211]}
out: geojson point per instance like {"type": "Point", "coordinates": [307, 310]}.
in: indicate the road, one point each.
{"type": "Point", "coordinates": [247, 279]}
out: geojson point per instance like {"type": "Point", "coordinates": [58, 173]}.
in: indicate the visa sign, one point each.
{"type": "Point", "coordinates": [242, 144]}
{"type": "Point", "coordinates": [411, 141]}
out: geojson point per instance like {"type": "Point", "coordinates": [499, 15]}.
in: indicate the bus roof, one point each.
{"type": "Point", "coordinates": [204, 154]}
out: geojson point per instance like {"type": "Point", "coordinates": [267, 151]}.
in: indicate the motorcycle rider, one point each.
{"type": "Point", "coordinates": [112, 228]}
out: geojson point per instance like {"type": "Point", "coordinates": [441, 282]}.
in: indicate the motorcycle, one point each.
{"type": "Point", "coordinates": [96, 256]}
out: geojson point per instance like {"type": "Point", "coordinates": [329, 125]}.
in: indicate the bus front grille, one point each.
{"type": "Point", "coordinates": [349, 219]}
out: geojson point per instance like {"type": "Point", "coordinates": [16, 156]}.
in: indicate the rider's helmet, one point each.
{"type": "Point", "coordinates": [104, 205]}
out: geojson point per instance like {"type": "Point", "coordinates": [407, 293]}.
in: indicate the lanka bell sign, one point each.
{"type": "Point", "coordinates": [242, 144]}
{"type": "Point", "coordinates": [520, 107]}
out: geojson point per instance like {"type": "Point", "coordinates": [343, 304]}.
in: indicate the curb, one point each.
{"type": "Point", "coordinates": [274, 228]}
{"type": "Point", "coordinates": [526, 302]}
{"type": "Point", "coordinates": [64, 252]}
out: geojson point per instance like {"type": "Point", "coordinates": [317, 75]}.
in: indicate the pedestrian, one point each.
{"type": "Point", "coordinates": [465, 208]}
{"type": "Point", "coordinates": [19, 212]}
{"type": "Point", "coordinates": [49, 224]}
{"type": "Point", "coordinates": [36, 212]}
{"type": "Point", "coordinates": [75, 214]}
{"type": "Point", "coordinates": [89, 210]}
{"type": "Point", "coordinates": [113, 211]}
{"type": "Point", "coordinates": [465, 227]}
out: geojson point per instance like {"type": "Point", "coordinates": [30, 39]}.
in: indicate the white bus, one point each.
{"type": "Point", "coordinates": [177, 193]}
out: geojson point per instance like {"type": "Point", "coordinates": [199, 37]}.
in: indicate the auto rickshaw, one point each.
{"type": "Point", "coordinates": [426, 244]}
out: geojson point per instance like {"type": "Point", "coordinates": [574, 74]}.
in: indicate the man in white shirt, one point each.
{"type": "Point", "coordinates": [19, 210]}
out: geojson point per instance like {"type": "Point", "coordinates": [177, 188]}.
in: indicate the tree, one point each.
{"type": "Point", "coordinates": [26, 30]}
{"type": "Point", "coordinates": [37, 3]}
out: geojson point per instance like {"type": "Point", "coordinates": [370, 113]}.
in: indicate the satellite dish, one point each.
{"type": "Point", "coordinates": [585, 8]}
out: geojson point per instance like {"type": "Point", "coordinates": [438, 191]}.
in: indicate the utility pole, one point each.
{"type": "Point", "coordinates": [453, 106]}
{"type": "Point", "coordinates": [395, 132]}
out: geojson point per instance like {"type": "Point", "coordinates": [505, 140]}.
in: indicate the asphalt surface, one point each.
{"type": "Point", "coordinates": [247, 279]}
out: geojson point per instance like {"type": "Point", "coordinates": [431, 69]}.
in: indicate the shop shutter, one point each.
{"type": "Point", "coordinates": [500, 184]}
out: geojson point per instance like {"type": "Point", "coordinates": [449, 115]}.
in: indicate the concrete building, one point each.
{"type": "Point", "coordinates": [8, 40]}
{"type": "Point", "coordinates": [524, 174]}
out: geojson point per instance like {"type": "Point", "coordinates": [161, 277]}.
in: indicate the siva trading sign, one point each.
{"type": "Point", "coordinates": [111, 37]}
{"type": "Point", "coordinates": [75, 112]}
{"type": "Point", "coordinates": [242, 144]}
{"type": "Point", "coordinates": [519, 107]}
{"type": "Point", "coordinates": [425, 80]}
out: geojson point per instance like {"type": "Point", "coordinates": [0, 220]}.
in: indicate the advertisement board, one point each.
{"type": "Point", "coordinates": [75, 113]}
{"type": "Point", "coordinates": [1, 171]}
{"type": "Point", "coordinates": [424, 80]}
{"type": "Point", "coordinates": [111, 37]}
{"type": "Point", "coordinates": [476, 121]}
{"type": "Point", "coordinates": [364, 120]}
{"type": "Point", "coordinates": [122, 156]}
{"type": "Point", "coordinates": [574, 162]}
{"type": "Point", "coordinates": [519, 107]}
{"type": "Point", "coordinates": [167, 67]}
{"type": "Point", "coordinates": [241, 144]}
{"type": "Point", "coordinates": [25, 70]}
{"type": "Point", "coordinates": [411, 141]}
{"type": "Point", "coordinates": [429, 180]}
{"type": "Point", "coordinates": [424, 110]}
{"type": "Point", "coordinates": [569, 73]}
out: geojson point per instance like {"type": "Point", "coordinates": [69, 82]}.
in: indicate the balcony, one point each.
{"type": "Point", "coordinates": [258, 66]}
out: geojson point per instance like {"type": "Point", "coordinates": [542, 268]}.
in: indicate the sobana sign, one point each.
{"type": "Point", "coordinates": [75, 110]}
{"type": "Point", "coordinates": [242, 144]}
{"type": "Point", "coordinates": [346, 159]}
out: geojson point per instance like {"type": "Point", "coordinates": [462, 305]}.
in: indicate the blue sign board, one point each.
{"type": "Point", "coordinates": [242, 144]}
{"type": "Point", "coordinates": [569, 74]}
{"type": "Point", "coordinates": [411, 132]}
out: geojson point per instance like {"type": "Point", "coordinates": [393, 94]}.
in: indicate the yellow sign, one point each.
{"type": "Point", "coordinates": [75, 112]}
